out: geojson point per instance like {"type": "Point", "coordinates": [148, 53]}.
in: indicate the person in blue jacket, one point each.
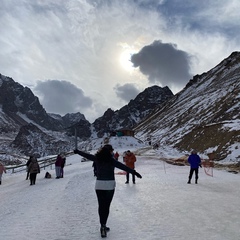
{"type": "Point", "coordinates": [195, 162]}
{"type": "Point", "coordinates": [105, 182]}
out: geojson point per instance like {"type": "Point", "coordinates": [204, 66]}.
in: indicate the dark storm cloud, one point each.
{"type": "Point", "coordinates": [62, 97]}
{"type": "Point", "coordinates": [163, 63]}
{"type": "Point", "coordinates": [126, 92]}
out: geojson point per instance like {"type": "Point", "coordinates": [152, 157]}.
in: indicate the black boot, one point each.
{"type": "Point", "coordinates": [103, 231]}
{"type": "Point", "coordinates": [196, 181]}
{"type": "Point", "coordinates": [0, 182]}
{"type": "Point", "coordinates": [189, 181]}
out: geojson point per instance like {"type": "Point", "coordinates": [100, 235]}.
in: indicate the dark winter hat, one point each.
{"type": "Point", "coordinates": [109, 147]}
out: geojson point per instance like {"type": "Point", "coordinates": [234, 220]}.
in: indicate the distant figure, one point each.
{"type": "Point", "coordinates": [124, 155]}
{"type": "Point", "coordinates": [195, 162]}
{"type": "Point", "coordinates": [62, 166]}
{"type": "Point", "coordinates": [130, 160]}
{"type": "Point", "coordinates": [27, 166]}
{"type": "Point", "coordinates": [105, 183]}
{"type": "Point", "coordinates": [2, 170]}
{"type": "Point", "coordinates": [116, 155]}
{"type": "Point", "coordinates": [155, 146]}
{"type": "Point", "coordinates": [58, 166]}
{"type": "Point", "coordinates": [34, 169]}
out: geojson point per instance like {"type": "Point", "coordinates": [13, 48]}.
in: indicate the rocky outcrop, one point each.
{"type": "Point", "coordinates": [17, 100]}
{"type": "Point", "coordinates": [135, 111]}
{"type": "Point", "coordinates": [32, 141]}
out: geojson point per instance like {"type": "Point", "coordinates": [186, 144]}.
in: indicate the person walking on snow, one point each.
{"type": "Point", "coordinates": [2, 170]}
{"type": "Point", "coordinates": [34, 169]}
{"type": "Point", "coordinates": [195, 162]}
{"type": "Point", "coordinates": [27, 166]}
{"type": "Point", "coordinates": [130, 160]}
{"type": "Point", "coordinates": [58, 166]}
{"type": "Point", "coordinates": [105, 183]}
{"type": "Point", "coordinates": [62, 166]}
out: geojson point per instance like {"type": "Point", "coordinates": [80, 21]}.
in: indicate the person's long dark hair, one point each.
{"type": "Point", "coordinates": [104, 154]}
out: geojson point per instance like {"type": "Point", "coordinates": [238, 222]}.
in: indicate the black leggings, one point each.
{"type": "Point", "coordinates": [33, 177]}
{"type": "Point", "coordinates": [133, 177]}
{"type": "Point", "coordinates": [104, 200]}
{"type": "Point", "coordinates": [192, 170]}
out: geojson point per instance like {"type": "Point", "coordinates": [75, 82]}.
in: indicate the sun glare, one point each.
{"type": "Point", "coordinates": [125, 60]}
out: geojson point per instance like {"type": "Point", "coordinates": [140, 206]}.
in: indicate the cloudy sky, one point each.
{"type": "Point", "coordinates": [89, 55]}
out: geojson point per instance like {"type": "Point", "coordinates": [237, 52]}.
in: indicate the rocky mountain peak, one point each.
{"type": "Point", "coordinates": [129, 115]}
{"type": "Point", "coordinates": [19, 102]}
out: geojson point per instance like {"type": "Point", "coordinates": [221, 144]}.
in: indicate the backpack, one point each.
{"type": "Point", "coordinates": [48, 175]}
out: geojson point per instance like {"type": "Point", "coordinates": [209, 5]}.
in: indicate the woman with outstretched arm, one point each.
{"type": "Point", "coordinates": [105, 183]}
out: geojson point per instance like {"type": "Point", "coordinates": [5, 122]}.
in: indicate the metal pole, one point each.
{"type": "Point", "coordinates": [75, 138]}
{"type": "Point", "coordinates": [164, 166]}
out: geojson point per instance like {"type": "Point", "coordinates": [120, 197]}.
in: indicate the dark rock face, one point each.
{"type": "Point", "coordinates": [132, 113]}
{"type": "Point", "coordinates": [15, 98]}
{"type": "Point", "coordinates": [81, 129]}
{"type": "Point", "coordinates": [73, 118]}
{"type": "Point", "coordinates": [32, 141]}
{"type": "Point", "coordinates": [103, 124]}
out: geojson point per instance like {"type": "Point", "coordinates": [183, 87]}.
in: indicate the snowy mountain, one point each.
{"type": "Point", "coordinates": [31, 140]}
{"type": "Point", "coordinates": [20, 104]}
{"type": "Point", "coordinates": [132, 113]}
{"type": "Point", "coordinates": [27, 128]}
{"type": "Point", "coordinates": [204, 116]}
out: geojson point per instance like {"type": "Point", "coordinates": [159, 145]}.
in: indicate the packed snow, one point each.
{"type": "Point", "coordinates": [160, 206]}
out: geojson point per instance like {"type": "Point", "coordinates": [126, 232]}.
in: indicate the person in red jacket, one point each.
{"type": "Point", "coordinates": [130, 160]}
{"type": "Point", "coordinates": [116, 155]}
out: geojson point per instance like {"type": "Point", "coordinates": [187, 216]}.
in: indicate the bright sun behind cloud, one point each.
{"type": "Point", "coordinates": [125, 60]}
{"type": "Point", "coordinates": [125, 57]}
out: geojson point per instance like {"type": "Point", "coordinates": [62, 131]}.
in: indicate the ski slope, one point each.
{"type": "Point", "coordinates": [160, 206]}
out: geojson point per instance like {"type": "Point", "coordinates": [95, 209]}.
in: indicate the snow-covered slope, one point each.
{"type": "Point", "coordinates": [205, 115]}
{"type": "Point", "coordinates": [159, 206]}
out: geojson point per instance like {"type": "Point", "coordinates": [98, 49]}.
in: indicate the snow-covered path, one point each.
{"type": "Point", "coordinates": [159, 206]}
